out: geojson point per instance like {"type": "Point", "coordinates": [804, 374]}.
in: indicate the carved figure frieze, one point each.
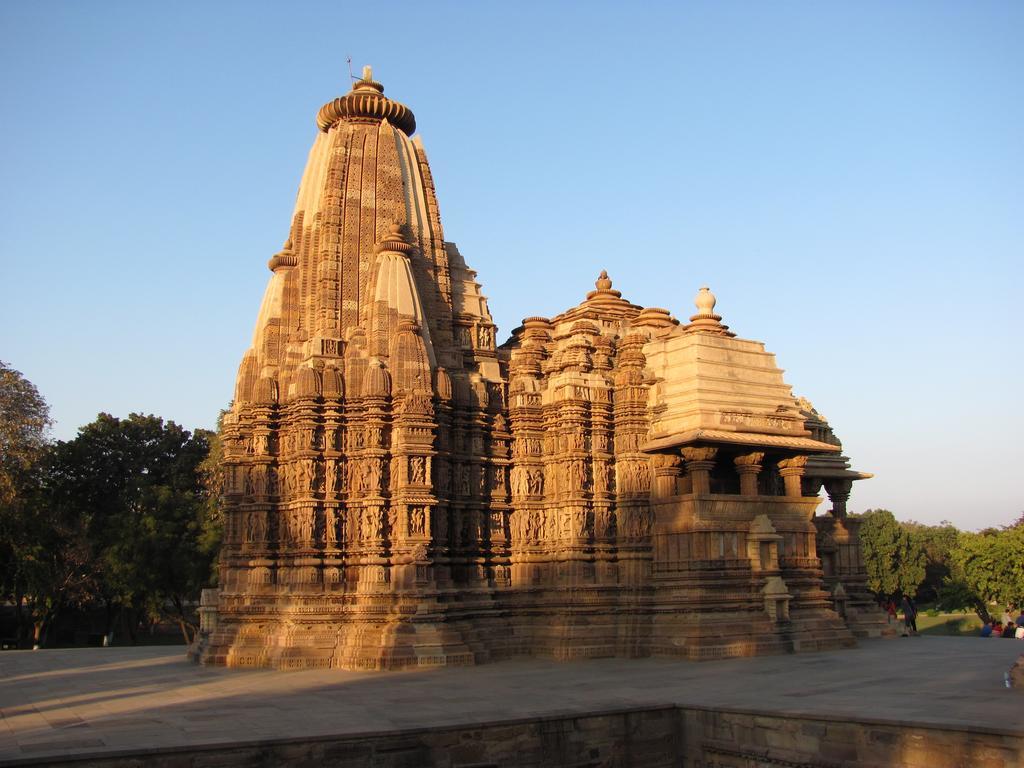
{"type": "Point", "coordinates": [372, 525]}
{"type": "Point", "coordinates": [518, 526]}
{"type": "Point", "coordinates": [418, 470]}
{"type": "Point", "coordinates": [576, 475]}
{"type": "Point", "coordinates": [334, 527]}
{"type": "Point", "coordinates": [305, 526]}
{"type": "Point", "coordinates": [519, 481]}
{"type": "Point", "coordinates": [309, 475]}
{"type": "Point", "coordinates": [498, 482]}
{"type": "Point", "coordinates": [634, 523]}
{"type": "Point", "coordinates": [365, 475]}
{"type": "Point", "coordinates": [603, 523]}
{"type": "Point", "coordinates": [417, 521]}
{"type": "Point", "coordinates": [535, 481]}
{"type": "Point", "coordinates": [465, 489]}
{"type": "Point", "coordinates": [579, 522]}
{"type": "Point", "coordinates": [632, 476]}
{"type": "Point", "coordinates": [332, 477]}
{"type": "Point", "coordinates": [256, 527]}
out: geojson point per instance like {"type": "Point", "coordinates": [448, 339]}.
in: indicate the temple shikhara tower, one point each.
{"type": "Point", "coordinates": [401, 492]}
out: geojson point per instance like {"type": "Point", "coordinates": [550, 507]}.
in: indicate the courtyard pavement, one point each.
{"type": "Point", "coordinates": [116, 700]}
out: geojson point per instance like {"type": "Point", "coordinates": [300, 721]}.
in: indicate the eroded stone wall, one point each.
{"type": "Point", "coordinates": [651, 738]}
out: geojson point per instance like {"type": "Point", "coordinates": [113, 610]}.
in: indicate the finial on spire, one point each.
{"type": "Point", "coordinates": [706, 320]}
{"type": "Point", "coordinates": [604, 290]}
{"type": "Point", "coordinates": [366, 84]}
{"type": "Point", "coordinates": [365, 101]}
{"type": "Point", "coordinates": [705, 301]}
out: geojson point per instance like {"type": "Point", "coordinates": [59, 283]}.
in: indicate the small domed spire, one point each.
{"type": "Point", "coordinates": [706, 320]}
{"type": "Point", "coordinates": [394, 240]}
{"type": "Point", "coordinates": [603, 281]}
{"type": "Point", "coordinates": [286, 258]}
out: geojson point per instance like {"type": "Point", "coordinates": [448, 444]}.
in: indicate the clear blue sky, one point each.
{"type": "Point", "coordinates": [848, 178]}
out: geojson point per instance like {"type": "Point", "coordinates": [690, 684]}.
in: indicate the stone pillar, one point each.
{"type": "Point", "coordinates": [792, 471]}
{"type": "Point", "coordinates": [699, 463]}
{"type": "Point", "coordinates": [748, 466]}
{"type": "Point", "coordinates": [839, 493]}
{"type": "Point", "coordinates": [666, 470]}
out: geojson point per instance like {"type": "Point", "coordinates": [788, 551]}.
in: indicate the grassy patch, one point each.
{"type": "Point", "coordinates": [956, 624]}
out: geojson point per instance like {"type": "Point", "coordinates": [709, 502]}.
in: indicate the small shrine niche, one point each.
{"type": "Point", "coordinates": [763, 545]}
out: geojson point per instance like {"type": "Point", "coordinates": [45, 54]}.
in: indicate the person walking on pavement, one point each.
{"type": "Point", "coordinates": [909, 616]}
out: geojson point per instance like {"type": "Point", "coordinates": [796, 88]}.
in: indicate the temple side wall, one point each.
{"type": "Point", "coordinates": [666, 736]}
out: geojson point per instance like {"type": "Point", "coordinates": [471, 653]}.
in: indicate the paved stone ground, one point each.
{"type": "Point", "coordinates": [96, 700]}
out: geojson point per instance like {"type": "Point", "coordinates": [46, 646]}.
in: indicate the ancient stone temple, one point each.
{"type": "Point", "coordinates": [612, 481]}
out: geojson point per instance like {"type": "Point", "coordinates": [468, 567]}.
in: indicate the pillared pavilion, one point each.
{"type": "Point", "coordinates": [402, 492]}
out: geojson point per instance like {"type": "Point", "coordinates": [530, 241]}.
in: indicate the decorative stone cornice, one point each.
{"type": "Point", "coordinates": [366, 101]}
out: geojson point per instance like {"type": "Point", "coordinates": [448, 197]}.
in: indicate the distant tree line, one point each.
{"type": "Point", "coordinates": [121, 521]}
{"type": "Point", "coordinates": [953, 569]}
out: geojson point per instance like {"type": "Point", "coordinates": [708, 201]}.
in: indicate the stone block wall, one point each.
{"type": "Point", "coordinates": [717, 739]}
{"type": "Point", "coordinates": [668, 737]}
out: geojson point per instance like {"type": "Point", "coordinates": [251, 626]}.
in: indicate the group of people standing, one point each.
{"type": "Point", "coordinates": [1006, 626]}
{"type": "Point", "coordinates": [909, 615]}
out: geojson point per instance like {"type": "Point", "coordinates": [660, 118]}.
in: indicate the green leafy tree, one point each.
{"type": "Point", "coordinates": [28, 548]}
{"type": "Point", "coordinates": [987, 568]}
{"type": "Point", "coordinates": [24, 421]}
{"type": "Point", "coordinates": [135, 486]}
{"type": "Point", "coordinates": [211, 475]}
{"type": "Point", "coordinates": [938, 543]}
{"type": "Point", "coordinates": [55, 564]}
{"type": "Point", "coordinates": [893, 562]}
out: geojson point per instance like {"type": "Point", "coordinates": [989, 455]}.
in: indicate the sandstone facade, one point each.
{"type": "Point", "coordinates": [401, 491]}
